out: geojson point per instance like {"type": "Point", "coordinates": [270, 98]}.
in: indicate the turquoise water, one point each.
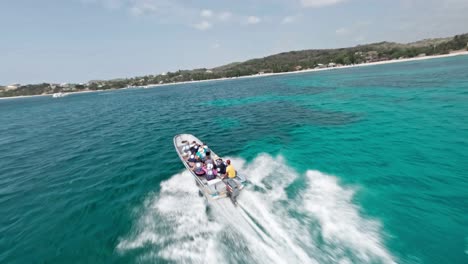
{"type": "Point", "coordinates": [363, 165]}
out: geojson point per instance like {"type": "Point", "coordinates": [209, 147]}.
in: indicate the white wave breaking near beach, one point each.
{"type": "Point", "coordinates": [318, 223]}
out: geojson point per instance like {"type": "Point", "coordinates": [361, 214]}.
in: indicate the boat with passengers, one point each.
{"type": "Point", "coordinates": [58, 95]}
{"type": "Point", "coordinates": [206, 169]}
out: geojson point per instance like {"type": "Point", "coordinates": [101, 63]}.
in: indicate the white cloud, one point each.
{"type": "Point", "coordinates": [165, 10]}
{"type": "Point", "coordinates": [177, 12]}
{"type": "Point", "coordinates": [206, 13]}
{"type": "Point", "coordinates": [204, 25]}
{"type": "Point", "coordinates": [251, 20]}
{"type": "Point", "coordinates": [288, 20]}
{"type": "Point", "coordinates": [320, 3]}
{"type": "Point", "coordinates": [224, 16]}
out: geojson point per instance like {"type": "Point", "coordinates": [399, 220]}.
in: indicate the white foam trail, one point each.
{"type": "Point", "coordinates": [273, 174]}
{"type": "Point", "coordinates": [260, 249]}
{"type": "Point", "coordinates": [175, 225]}
{"type": "Point", "coordinates": [340, 221]}
{"type": "Point", "coordinates": [319, 225]}
{"type": "Point", "coordinates": [325, 201]}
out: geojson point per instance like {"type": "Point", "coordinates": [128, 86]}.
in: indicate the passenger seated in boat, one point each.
{"type": "Point", "coordinates": [207, 150]}
{"type": "Point", "coordinates": [192, 158]}
{"type": "Point", "coordinates": [210, 165]}
{"type": "Point", "coordinates": [186, 150]}
{"type": "Point", "coordinates": [230, 170]}
{"type": "Point", "coordinates": [208, 160]}
{"type": "Point", "coordinates": [201, 153]}
{"type": "Point", "coordinates": [193, 147]}
{"type": "Point", "coordinates": [199, 171]}
{"type": "Point", "coordinates": [210, 172]}
{"type": "Point", "coordinates": [220, 167]}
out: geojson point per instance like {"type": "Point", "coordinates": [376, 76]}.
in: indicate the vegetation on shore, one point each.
{"type": "Point", "coordinates": [283, 62]}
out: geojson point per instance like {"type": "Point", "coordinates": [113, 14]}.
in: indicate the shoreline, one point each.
{"type": "Point", "coordinates": [459, 53]}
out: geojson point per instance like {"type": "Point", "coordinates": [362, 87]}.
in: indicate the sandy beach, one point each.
{"type": "Point", "coordinates": [458, 53]}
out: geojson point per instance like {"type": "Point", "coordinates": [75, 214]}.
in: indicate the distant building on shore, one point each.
{"type": "Point", "coordinates": [12, 86]}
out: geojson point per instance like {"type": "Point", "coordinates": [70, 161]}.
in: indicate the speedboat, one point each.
{"type": "Point", "coordinates": [212, 188]}
{"type": "Point", "coordinates": [57, 95]}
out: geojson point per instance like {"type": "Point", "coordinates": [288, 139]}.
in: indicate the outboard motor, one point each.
{"type": "Point", "coordinates": [232, 189]}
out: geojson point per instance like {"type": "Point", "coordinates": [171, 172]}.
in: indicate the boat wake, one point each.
{"type": "Point", "coordinates": [281, 217]}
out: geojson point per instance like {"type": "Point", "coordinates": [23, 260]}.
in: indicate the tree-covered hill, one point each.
{"type": "Point", "coordinates": [289, 61]}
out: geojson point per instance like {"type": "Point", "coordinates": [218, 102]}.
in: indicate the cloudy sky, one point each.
{"type": "Point", "coordinates": [81, 40]}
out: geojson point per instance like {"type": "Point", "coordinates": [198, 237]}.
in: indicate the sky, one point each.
{"type": "Point", "coordinates": [80, 40]}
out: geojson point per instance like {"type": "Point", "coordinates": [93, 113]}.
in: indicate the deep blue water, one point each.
{"type": "Point", "coordinates": [362, 165]}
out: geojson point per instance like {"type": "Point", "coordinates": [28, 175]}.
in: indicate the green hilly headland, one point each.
{"type": "Point", "coordinates": [282, 62]}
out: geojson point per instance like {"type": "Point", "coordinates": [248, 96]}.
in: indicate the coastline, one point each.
{"type": "Point", "coordinates": [458, 53]}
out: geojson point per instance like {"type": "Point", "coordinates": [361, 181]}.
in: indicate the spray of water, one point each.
{"type": "Point", "coordinates": [318, 224]}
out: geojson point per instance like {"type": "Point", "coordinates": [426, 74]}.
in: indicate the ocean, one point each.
{"type": "Point", "coordinates": [359, 165]}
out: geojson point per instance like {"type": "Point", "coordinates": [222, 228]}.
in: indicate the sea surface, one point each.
{"type": "Point", "coordinates": [361, 165]}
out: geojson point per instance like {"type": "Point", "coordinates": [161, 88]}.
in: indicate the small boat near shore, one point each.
{"type": "Point", "coordinates": [215, 187]}
{"type": "Point", "coordinates": [58, 95]}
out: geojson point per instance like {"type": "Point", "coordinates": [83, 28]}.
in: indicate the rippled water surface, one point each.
{"type": "Point", "coordinates": [363, 165]}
